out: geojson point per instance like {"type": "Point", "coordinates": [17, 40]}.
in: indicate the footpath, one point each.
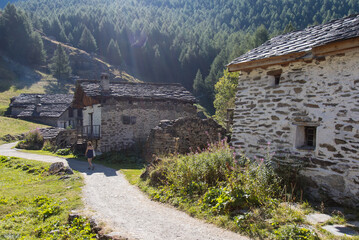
{"type": "Point", "coordinates": [123, 208]}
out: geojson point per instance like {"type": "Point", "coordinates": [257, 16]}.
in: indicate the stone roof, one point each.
{"type": "Point", "coordinates": [50, 133]}
{"type": "Point", "coordinates": [304, 40]}
{"type": "Point", "coordinates": [41, 105]}
{"type": "Point", "coordinates": [144, 91]}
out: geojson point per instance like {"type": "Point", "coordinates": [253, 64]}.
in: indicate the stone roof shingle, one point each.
{"type": "Point", "coordinates": [150, 91]}
{"type": "Point", "coordinates": [50, 105]}
{"type": "Point", "coordinates": [304, 40]}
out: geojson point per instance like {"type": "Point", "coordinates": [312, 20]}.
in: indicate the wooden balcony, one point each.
{"type": "Point", "coordinates": [89, 132]}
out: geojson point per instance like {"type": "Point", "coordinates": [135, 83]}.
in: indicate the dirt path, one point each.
{"type": "Point", "coordinates": [126, 210]}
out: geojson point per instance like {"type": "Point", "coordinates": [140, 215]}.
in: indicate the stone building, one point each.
{"type": "Point", "coordinates": [117, 115]}
{"type": "Point", "coordinates": [51, 109]}
{"type": "Point", "coordinates": [300, 92]}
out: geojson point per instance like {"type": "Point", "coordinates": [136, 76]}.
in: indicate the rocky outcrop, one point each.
{"type": "Point", "coordinates": [59, 168]}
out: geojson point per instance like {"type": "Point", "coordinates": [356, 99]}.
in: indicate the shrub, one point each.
{"type": "Point", "coordinates": [33, 141]}
{"type": "Point", "coordinates": [48, 146]}
{"type": "Point", "coordinates": [294, 232]}
{"type": "Point", "coordinates": [207, 167]}
{"type": "Point", "coordinates": [217, 180]}
{"type": "Point", "coordinates": [63, 151]}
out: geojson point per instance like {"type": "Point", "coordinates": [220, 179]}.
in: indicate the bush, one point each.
{"type": "Point", "coordinates": [213, 176]}
{"type": "Point", "coordinates": [294, 232]}
{"type": "Point", "coordinates": [207, 167]}
{"type": "Point", "coordinates": [33, 141]}
{"type": "Point", "coordinates": [63, 151]}
{"type": "Point", "coordinates": [48, 146]}
{"type": "Point", "coordinates": [234, 192]}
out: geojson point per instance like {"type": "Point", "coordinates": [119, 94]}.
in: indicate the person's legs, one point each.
{"type": "Point", "coordinates": [90, 162]}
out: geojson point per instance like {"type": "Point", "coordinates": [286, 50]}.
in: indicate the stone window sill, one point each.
{"type": "Point", "coordinates": [306, 148]}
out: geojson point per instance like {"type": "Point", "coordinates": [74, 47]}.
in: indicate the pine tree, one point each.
{"type": "Point", "coordinates": [37, 52]}
{"type": "Point", "coordinates": [260, 36]}
{"type": "Point", "coordinates": [58, 31]}
{"type": "Point", "coordinates": [60, 65]}
{"type": "Point", "coordinates": [289, 28]}
{"type": "Point", "coordinates": [18, 39]}
{"type": "Point", "coordinates": [198, 84]}
{"type": "Point", "coordinates": [87, 41]}
{"type": "Point", "coordinates": [113, 53]}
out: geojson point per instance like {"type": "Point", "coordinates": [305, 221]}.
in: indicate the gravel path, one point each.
{"type": "Point", "coordinates": [126, 210]}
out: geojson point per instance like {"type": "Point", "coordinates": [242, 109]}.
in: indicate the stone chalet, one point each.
{"type": "Point", "coordinates": [51, 109]}
{"type": "Point", "coordinates": [300, 92]}
{"type": "Point", "coordinates": [117, 115]}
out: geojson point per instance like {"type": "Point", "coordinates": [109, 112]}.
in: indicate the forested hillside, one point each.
{"type": "Point", "coordinates": [177, 40]}
{"type": "Point", "coordinates": [4, 2]}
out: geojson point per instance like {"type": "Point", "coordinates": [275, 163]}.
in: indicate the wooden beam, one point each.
{"type": "Point", "coordinates": [245, 66]}
{"type": "Point", "coordinates": [325, 50]}
{"type": "Point", "coordinates": [336, 47]}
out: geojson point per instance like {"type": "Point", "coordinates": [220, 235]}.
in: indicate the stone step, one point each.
{"type": "Point", "coordinates": [340, 230]}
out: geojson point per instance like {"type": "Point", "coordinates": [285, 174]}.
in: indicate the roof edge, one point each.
{"type": "Point", "coordinates": [330, 48]}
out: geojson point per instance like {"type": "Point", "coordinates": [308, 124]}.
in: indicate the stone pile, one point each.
{"type": "Point", "coordinates": [182, 136]}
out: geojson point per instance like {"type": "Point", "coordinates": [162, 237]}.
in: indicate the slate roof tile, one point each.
{"type": "Point", "coordinates": [304, 40]}
{"type": "Point", "coordinates": [50, 105]}
{"type": "Point", "coordinates": [153, 91]}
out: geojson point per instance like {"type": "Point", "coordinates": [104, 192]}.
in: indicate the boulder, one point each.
{"type": "Point", "coordinates": [59, 168]}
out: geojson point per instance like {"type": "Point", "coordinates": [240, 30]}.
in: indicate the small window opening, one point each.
{"type": "Point", "coordinates": [128, 120]}
{"type": "Point", "coordinates": [276, 80]}
{"type": "Point", "coordinates": [275, 76]}
{"type": "Point", "coordinates": [79, 113]}
{"type": "Point", "coordinates": [306, 137]}
{"type": "Point", "coordinates": [310, 133]}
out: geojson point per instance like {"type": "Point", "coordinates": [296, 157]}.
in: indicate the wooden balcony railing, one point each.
{"type": "Point", "coordinates": [89, 132]}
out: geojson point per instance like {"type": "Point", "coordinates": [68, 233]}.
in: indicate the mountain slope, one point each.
{"type": "Point", "coordinates": [171, 40]}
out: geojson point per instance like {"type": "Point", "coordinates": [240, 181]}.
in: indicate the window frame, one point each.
{"type": "Point", "coordinates": [128, 120]}
{"type": "Point", "coordinates": [305, 140]}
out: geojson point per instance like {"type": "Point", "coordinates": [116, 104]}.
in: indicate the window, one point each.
{"type": "Point", "coordinates": [275, 76]}
{"type": "Point", "coordinates": [79, 113]}
{"type": "Point", "coordinates": [306, 137]}
{"type": "Point", "coordinates": [128, 120]}
{"type": "Point", "coordinates": [276, 80]}
{"type": "Point", "coordinates": [310, 136]}
{"type": "Point", "coordinates": [71, 113]}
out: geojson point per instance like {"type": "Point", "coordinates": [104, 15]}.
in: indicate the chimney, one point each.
{"type": "Point", "coordinates": [37, 99]}
{"type": "Point", "coordinates": [38, 108]}
{"type": "Point", "coordinates": [105, 82]}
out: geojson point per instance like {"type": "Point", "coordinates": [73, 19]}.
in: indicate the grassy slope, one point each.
{"type": "Point", "coordinates": [19, 214]}
{"type": "Point", "coordinates": [16, 126]}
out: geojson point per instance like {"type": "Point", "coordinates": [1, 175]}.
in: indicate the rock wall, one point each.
{"type": "Point", "coordinates": [182, 135]}
{"type": "Point", "coordinates": [62, 138]}
{"type": "Point", "coordinates": [125, 123]}
{"type": "Point", "coordinates": [323, 94]}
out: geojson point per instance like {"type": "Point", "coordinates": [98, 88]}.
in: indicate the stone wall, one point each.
{"type": "Point", "coordinates": [182, 136]}
{"type": "Point", "coordinates": [62, 138]}
{"type": "Point", "coordinates": [128, 122]}
{"type": "Point", "coordinates": [321, 93]}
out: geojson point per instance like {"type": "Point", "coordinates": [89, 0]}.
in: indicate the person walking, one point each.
{"type": "Point", "coordinates": [90, 154]}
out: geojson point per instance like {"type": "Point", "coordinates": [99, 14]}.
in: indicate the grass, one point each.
{"type": "Point", "coordinates": [36, 205]}
{"type": "Point", "coordinates": [14, 126]}
{"type": "Point", "coordinates": [237, 194]}
{"type": "Point", "coordinates": [19, 87]}
{"type": "Point", "coordinates": [130, 166]}
{"type": "Point", "coordinates": [43, 152]}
